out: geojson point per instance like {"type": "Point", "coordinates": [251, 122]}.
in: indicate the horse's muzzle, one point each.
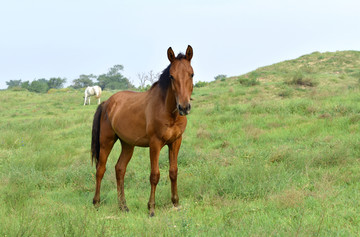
{"type": "Point", "coordinates": [184, 110]}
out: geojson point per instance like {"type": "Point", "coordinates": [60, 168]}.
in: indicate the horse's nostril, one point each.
{"type": "Point", "coordinates": [184, 110]}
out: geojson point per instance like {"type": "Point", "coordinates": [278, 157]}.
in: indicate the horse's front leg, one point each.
{"type": "Point", "coordinates": [173, 170]}
{"type": "Point", "coordinates": [155, 148]}
{"type": "Point", "coordinates": [85, 100]}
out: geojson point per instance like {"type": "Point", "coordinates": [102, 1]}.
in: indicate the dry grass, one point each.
{"type": "Point", "coordinates": [279, 154]}
{"type": "Point", "coordinates": [290, 198]}
{"type": "Point", "coordinates": [253, 132]}
{"type": "Point", "coordinates": [202, 133]}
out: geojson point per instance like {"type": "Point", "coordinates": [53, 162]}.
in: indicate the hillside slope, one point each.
{"type": "Point", "coordinates": [337, 62]}
{"type": "Point", "coordinates": [287, 136]}
{"type": "Point", "coordinates": [340, 64]}
{"type": "Point", "coordinates": [272, 152]}
{"type": "Point", "coordinates": [316, 73]}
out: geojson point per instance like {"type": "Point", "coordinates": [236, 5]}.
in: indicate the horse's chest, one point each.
{"type": "Point", "coordinates": [172, 133]}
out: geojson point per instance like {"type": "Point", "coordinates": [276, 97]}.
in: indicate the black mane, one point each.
{"type": "Point", "coordinates": [164, 79]}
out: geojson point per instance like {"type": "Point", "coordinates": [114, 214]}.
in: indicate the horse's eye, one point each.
{"type": "Point", "coordinates": [192, 75]}
{"type": "Point", "coordinates": [171, 77]}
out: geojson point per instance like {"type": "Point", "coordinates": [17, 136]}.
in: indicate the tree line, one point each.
{"type": "Point", "coordinates": [112, 80]}
{"type": "Point", "coordinates": [40, 86]}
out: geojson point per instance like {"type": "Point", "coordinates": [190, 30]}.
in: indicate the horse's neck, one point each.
{"type": "Point", "coordinates": [167, 100]}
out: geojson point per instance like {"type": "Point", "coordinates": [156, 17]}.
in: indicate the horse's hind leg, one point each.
{"type": "Point", "coordinates": [106, 143]}
{"type": "Point", "coordinates": [120, 169]}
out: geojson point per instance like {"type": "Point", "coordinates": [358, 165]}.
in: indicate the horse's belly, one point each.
{"type": "Point", "coordinates": [131, 131]}
{"type": "Point", "coordinates": [135, 140]}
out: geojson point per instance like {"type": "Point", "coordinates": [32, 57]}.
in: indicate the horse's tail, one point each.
{"type": "Point", "coordinates": [95, 140]}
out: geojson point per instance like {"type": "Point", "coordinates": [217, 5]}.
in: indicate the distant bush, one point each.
{"type": "Point", "coordinates": [13, 83]}
{"type": "Point", "coordinates": [39, 86]}
{"type": "Point", "coordinates": [248, 82]}
{"type": "Point", "coordinates": [114, 80]}
{"type": "Point", "coordinates": [142, 89]}
{"type": "Point", "coordinates": [220, 77]}
{"type": "Point", "coordinates": [17, 88]}
{"type": "Point", "coordinates": [250, 79]}
{"type": "Point", "coordinates": [52, 91]}
{"type": "Point", "coordinates": [300, 79]}
{"type": "Point", "coordinates": [201, 84]}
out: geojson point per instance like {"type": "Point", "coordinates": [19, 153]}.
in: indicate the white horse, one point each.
{"type": "Point", "coordinates": [90, 91]}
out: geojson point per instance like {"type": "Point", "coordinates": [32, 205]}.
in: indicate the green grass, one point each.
{"type": "Point", "coordinates": [257, 159]}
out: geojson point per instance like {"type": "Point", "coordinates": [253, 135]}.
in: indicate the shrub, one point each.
{"type": "Point", "coordinates": [201, 84]}
{"type": "Point", "coordinates": [17, 88]}
{"type": "Point", "coordinates": [39, 86]}
{"type": "Point", "coordinates": [220, 77]}
{"type": "Point", "coordinates": [299, 79]}
{"type": "Point", "coordinates": [248, 81]}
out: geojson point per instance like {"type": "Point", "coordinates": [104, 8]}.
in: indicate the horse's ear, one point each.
{"type": "Point", "coordinates": [171, 55]}
{"type": "Point", "coordinates": [189, 53]}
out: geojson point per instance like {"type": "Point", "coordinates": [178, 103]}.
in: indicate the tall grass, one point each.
{"type": "Point", "coordinates": [252, 163]}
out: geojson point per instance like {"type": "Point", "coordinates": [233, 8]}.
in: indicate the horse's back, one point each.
{"type": "Point", "coordinates": [126, 103]}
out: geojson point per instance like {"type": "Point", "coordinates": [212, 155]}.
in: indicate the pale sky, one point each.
{"type": "Point", "coordinates": [66, 38]}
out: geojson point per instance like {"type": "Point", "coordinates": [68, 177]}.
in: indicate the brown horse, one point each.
{"type": "Point", "coordinates": [153, 119]}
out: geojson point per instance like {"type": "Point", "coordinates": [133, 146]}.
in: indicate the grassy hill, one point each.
{"type": "Point", "coordinates": [272, 152]}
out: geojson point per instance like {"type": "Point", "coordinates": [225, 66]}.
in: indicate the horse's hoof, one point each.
{"type": "Point", "coordinates": [96, 204]}
{"type": "Point", "coordinates": [175, 200]}
{"type": "Point", "coordinates": [124, 209]}
{"type": "Point", "coordinates": [152, 214]}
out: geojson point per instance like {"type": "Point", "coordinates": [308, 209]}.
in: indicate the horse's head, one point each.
{"type": "Point", "coordinates": [181, 76]}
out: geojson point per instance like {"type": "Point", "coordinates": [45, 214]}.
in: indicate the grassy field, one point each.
{"type": "Point", "coordinates": [274, 152]}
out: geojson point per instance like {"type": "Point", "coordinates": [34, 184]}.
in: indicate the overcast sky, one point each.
{"type": "Point", "coordinates": [66, 38]}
